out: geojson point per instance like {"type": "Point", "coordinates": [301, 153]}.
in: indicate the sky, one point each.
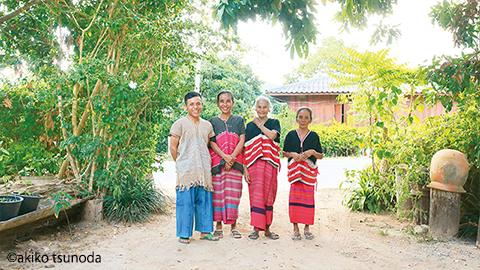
{"type": "Point", "coordinates": [419, 42]}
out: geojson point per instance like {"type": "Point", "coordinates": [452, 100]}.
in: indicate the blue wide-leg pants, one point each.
{"type": "Point", "coordinates": [194, 206]}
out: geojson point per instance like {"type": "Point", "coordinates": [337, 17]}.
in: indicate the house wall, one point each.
{"type": "Point", "coordinates": [429, 111]}
{"type": "Point", "coordinates": [326, 109]}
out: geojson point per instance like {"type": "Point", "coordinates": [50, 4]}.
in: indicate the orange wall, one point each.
{"type": "Point", "coordinates": [323, 107]}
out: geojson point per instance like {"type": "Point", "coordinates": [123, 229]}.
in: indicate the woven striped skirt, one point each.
{"type": "Point", "coordinates": [227, 190]}
{"type": "Point", "coordinates": [263, 190]}
{"type": "Point", "coordinates": [301, 203]}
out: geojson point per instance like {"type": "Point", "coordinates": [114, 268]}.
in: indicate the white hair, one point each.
{"type": "Point", "coordinates": [263, 98]}
{"type": "Point", "coordinates": [267, 100]}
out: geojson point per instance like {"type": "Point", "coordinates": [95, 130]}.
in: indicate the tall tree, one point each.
{"type": "Point", "coordinates": [378, 82]}
{"type": "Point", "coordinates": [125, 63]}
{"type": "Point", "coordinates": [228, 73]}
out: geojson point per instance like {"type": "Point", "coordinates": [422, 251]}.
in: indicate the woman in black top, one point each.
{"type": "Point", "coordinates": [302, 148]}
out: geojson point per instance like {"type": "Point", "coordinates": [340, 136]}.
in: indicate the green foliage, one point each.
{"type": "Point", "coordinates": [379, 99]}
{"type": "Point", "coordinates": [285, 116]}
{"type": "Point", "coordinates": [356, 13]}
{"type": "Point", "coordinates": [133, 200]}
{"type": "Point", "coordinates": [456, 81]}
{"type": "Point", "coordinates": [339, 140]}
{"type": "Point", "coordinates": [413, 151]}
{"type": "Point", "coordinates": [461, 18]}
{"type": "Point", "coordinates": [228, 74]}
{"type": "Point", "coordinates": [296, 18]}
{"type": "Point", "coordinates": [27, 130]}
{"type": "Point", "coordinates": [61, 200]}
{"type": "Point", "coordinates": [29, 158]}
{"type": "Point", "coordinates": [369, 191]}
{"type": "Point", "coordinates": [386, 32]}
{"type": "Point", "coordinates": [131, 62]}
{"type": "Point", "coordinates": [318, 62]}
{"type": "Point", "coordinates": [407, 151]}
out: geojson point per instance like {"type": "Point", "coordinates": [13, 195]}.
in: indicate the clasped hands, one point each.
{"type": "Point", "coordinates": [229, 160]}
{"type": "Point", "coordinates": [303, 156]}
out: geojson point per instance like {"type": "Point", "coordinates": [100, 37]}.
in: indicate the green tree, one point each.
{"type": "Point", "coordinates": [378, 97]}
{"type": "Point", "coordinates": [456, 80]}
{"type": "Point", "coordinates": [228, 74]}
{"type": "Point", "coordinates": [318, 62]}
{"type": "Point", "coordinates": [129, 64]}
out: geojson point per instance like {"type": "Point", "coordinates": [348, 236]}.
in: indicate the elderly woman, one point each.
{"type": "Point", "coordinates": [262, 161]}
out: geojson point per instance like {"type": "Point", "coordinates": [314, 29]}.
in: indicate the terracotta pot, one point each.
{"type": "Point", "coordinates": [449, 171]}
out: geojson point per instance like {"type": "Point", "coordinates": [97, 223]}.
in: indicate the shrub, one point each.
{"type": "Point", "coordinates": [369, 191]}
{"type": "Point", "coordinates": [339, 139]}
{"type": "Point", "coordinates": [412, 150]}
{"type": "Point", "coordinates": [133, 200]}
{"type": "Point", "coordinates": [27, 131]}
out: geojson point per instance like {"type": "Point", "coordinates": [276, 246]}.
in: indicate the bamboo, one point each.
{"type": "Point", "coordinates": [65, 136]}
{"type": "Point", "coordinates": [75, 107]}
{"type": "Point", "coordinates": [89, 103]}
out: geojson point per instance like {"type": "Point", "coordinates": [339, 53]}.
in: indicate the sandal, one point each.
{"type": "Point", "coordinates": [236, 234]}
{"type": "Point", "coordinates": [218, 233]}
{"type": "Point", "coordinates": [296, 236]}
{"type": "Point", "coordinates": [309, 235]}
{"type": "Point", "coordinates": [272, 236]}
{"type": "Point", "coordinates": [184, 240]}
{"type": "Point", "coordinates": [253, 235]}
{"type": "Point", "coordinates": [209, 237]}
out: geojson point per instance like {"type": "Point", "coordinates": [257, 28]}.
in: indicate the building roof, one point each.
{"type": "Point", "coordinates": [319, 85]}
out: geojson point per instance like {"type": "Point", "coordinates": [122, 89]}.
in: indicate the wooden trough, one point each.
{"type": "Point", "coordinates": [44, 216]}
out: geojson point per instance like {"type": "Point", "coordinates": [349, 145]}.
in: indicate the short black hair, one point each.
{"type": "Point", "coordinates": [225, 92]}
{"type": "Point", "coordinates": [190, 95]}
{"type": "Point", "coordinates": [305, 109]}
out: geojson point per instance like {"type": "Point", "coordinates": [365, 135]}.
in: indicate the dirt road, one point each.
{"type": "Point", "coordinates": [344, 240]}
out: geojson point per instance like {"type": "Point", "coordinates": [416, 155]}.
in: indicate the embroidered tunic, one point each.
{"type": "Point", "coordinates": [259, 146]}
{"type": "Point", "coordinates": [193, 162]}
{"type": "Point", "coordinates": [303, 171]}
{"type": "Point", "coordinates": [227, 136]}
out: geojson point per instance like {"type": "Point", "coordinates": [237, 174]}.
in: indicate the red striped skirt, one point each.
{"type": "Point", "coordinates": [263, 190]}
{"type": "Point", "coordinates": [227, 190]}
{"type": "Point", "coordinates": [301, 203]}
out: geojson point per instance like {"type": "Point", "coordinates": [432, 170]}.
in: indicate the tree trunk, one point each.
{"type": "Point", "coordinates": [444, 218]}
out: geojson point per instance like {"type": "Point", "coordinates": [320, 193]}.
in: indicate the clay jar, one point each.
{"type": "Point", "coordinates": [449, 171]}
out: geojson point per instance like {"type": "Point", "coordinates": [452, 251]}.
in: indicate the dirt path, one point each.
{"type": "Point", "coordinates": [344, 240]}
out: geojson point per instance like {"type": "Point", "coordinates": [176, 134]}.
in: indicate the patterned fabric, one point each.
{"type": "Point", "coordinates": [193, 162]}
{"type": "Point", "coordinates": [227, 185]}
{"type": "Point", "coordinates": [227, 190]}
{"type": "Point", "coordinates": [263, 190]}
{"type": "Point", "coordinates": [193, 205]}
{"type": "Point", "coordinates": [227, 136]}
{"type": "Point", "coordinates": [303, 171]}
{"type": "Point", "coordinates": [302, 176]}
{"type": "Point", "coordinates": [301, 203]}
{"type": "Point", "coordinates": [259, 146]}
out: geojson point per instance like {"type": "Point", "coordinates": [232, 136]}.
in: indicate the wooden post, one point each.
{"type": "Point", "coordinates": [444, 218]}
{"type": "Point", "coordinates": [93, 210]}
